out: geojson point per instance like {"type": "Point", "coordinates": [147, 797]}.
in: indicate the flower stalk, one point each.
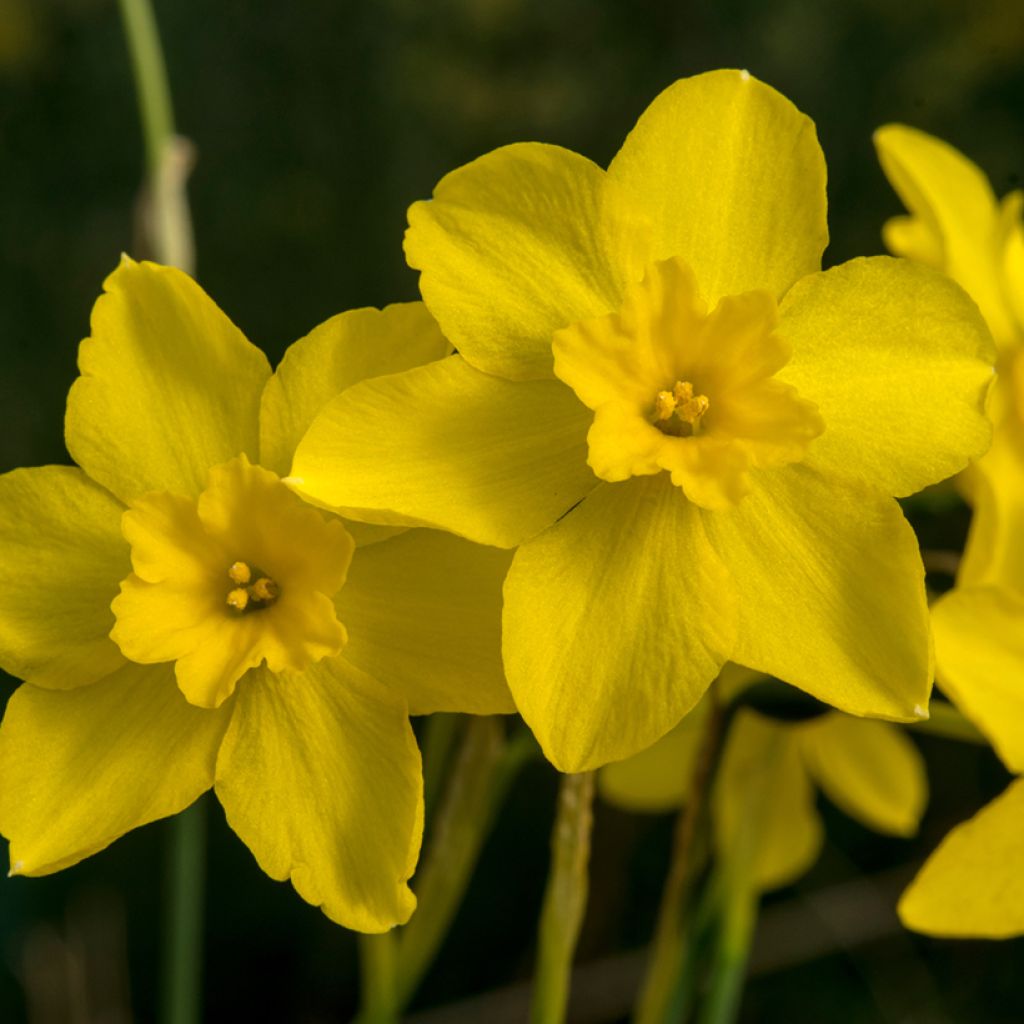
{"type": "Point", "coordinates": [565, 899]}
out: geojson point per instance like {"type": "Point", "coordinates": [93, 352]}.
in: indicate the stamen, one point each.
{"type": "Point", "coordinates": [664, 405]}
{"type": "Point", "coordinates": [249, 598]}
{"type": "Point", "coordinates": [681, 403]}
{"type": "Point", "coordinates": [240, 573]}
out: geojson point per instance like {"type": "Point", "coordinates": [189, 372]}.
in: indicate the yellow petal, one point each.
{"type": "Point", "coordinates": [898, 361]}
{"type": "Point", "coordinates": [831, 592]}
{"type": "Point", "coordinates": [346, 349]}
{"type": "Point", "coordinates": [423, 613]}
{"type": "Point", "coordinates": [169, 386]}
{"type": "Point", "coordinates": [63, 556]}
{"type": "Point", "coordinates": [733, 179]}
{"type": "Point", "coordinates": [972, 885]}
{"type": "Point", "coordinates": [616, 621]}
{"type": "Point", "coordinates": [482, 457]}
{"type": "Point", "coordinates": [517, 244]}
{"type": "Point", "coordinates": [319, 775]}
{"type": "Point", "coordinates": [82, 768]}
{"type": "Point", "coordinates": [658, 778]}
{"type": "Point", "coordinates": [764, 801]}
{"type": "Point", "coordinates": [979, 663]}
{"type": "Point", "coordinates": [954, 222]}
{"type": "Point", "coordinates": [871, 770]}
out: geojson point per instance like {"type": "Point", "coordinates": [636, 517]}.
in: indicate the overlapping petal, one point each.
{"type": "Point", "coordinates": [423, 613]}
{"type": "Point", "coordinates": [954, 224]}
{"type": "Point", "coordinates": [319, 774]}
{"type": "Point", "coordinates": [871, 770]}
{"type": "Point", "coordinates": [616, 620]}
{"type": "Point", "coordinates": [350, 347]}
{"type": "Point", "coordinates": [63, 557]}
{"type": "Point", "coordinates": [972, 885]}
{"type": "Point", "coordinates": [169, 386]}
{"type": "Point", "coordinates": [898, 361]}
{"type": "Point", "coordinates": [519, 243]}
{"type": "Point", "coordinates": [979, 656]}
{"type": "Point", "coordinates": [732, 177]}
{"type": "Point", "coordinates": [464, 451]}
{"type": "Point", "coordinates": [831, 592]}
{"type": "Point", "coordinates": [84, 767]}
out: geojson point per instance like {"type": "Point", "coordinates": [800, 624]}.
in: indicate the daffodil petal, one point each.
{"type": "Point", "coordinates": [658, 778]}
{"type": "Point", "coordinates": [870, 770]}
{"type": "Point", "coordinates": [84, 767]}
{"type": "Point", "coordinates": [898, 361]}
{"type": "Point", "coordinates": [979, 659]}
{"type": "Point", "coordinates": [519, 243]}
{"type": "Point", "coordinates": [733, 179]}
{"type": "Point", "coordinates": [423, 613]}
{"type": "Point", "coordinates": [467, 452]}
{"type": "Point", "coordinates": [169, 386]}
{"type": "Point", "coordinates": [319, 775]}
{"type": "Point", "coordinates": [348, 348]}
{"type": "Point", "coordinates": [972, 885]}
{"type": "Point", "coordinates": [616, 621]}
{"type": "Point", "coordinates": [954, 222]}
{"type": "Point", "coordinates": [831, 592]}
{"type": "Point", "coordinates": [63, 557]}
{"type": "Point", "coordinates": [764, 803]}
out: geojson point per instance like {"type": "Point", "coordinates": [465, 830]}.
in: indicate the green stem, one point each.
{"type": "Point", "coordinates": [663, 994]}
{"type": "Point", "coordinates": [739, 921]}
{"type": "Point", "coordinates": [183, 937]}
{"type": "Point", "coordinates": [439, 736]}
{"type": "Point", "coordinates": [168, 158]}
{"type": "Point", "coordinates": [378, 966]}
{"type": "Point", "coordinates": [484, 770]}
{"type": "Point", "coordinates": [946, 721]}
{"type": "Point", "coordinates": [565, 898]}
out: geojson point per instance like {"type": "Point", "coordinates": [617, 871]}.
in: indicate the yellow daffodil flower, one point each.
{"type": "Point", "coordinates": [184, 620]}
{"type": "Point", "coordinates": [971, 885]}
{"type": "Point", "coordinates": [692, 433]}
{"type": "Point", "coordinates": [868, 769]}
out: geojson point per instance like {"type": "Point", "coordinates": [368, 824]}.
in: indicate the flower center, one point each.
{"type": "Point", "coordinates": [253, 588]}
{"type": "Point", "coordinates": [190, 599]}
{"type": "Point", "coordinates": [679, 412]}
{"type": "Point", "coordinates": [619, 365]}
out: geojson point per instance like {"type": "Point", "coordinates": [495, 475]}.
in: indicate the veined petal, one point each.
{"type": "Point", "coordinates": [658, 778]}
{"type": "Point", "coordinates": [972, 885]}
{"type": "Point", "coordinates": [898, 361]}
{"type": "Point", "coordinates": [979, 659]}
{"type": "Point", "coordinates": [831, 592]}
{"type": "Point", "coordinates": [348, 348]}
{"type": "Point", "coordinates": [319, 775]}
{"type": "Point", "coordinates": [616, 621]}
{"type": "Point", "coordinates": [954, 224]}
{"type": "Point", "coordinates": [423, 612]}
{"type": "Point", "coordinates": [169, 386]}
{"type": "Point", "coordinates": [764, 802]}
{"type": "Point", "coordinates": [733, 180]}
{"type": "Point", "coordinates": [490, 460]}
{"type": "Point", "coordinates": [870, 770]}
{"type": "Point", "coordinates": [82, 768]}
{"type": "Point", "coordinates": [61, 561]}
{"type": "Point", "coordinates": [519, 243]}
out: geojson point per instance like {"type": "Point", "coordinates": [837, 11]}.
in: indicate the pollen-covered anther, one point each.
{"type": "Point", "coordinates": [682, 404]}
{"type": "Point", "coordinates": [258, 594]}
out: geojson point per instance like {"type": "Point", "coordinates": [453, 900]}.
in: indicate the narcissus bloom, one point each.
{"type": "Point", "coordinates": [971, 886]}
{"type": "Point", "coordinates": [770, 770]}
{"type": "Point", "coordinates": [184, 620]}
{"type": "Point", "coordinates": [693, 434]}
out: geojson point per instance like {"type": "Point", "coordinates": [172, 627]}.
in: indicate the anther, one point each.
{"type": "Point", "coordinates": [238, 599]}
{"type": "Point", "coordinates": [240, 573]}
{"type": "Point", "coordinates": [263, 590]}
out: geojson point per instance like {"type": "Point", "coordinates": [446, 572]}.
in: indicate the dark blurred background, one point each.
{"type": "Point", "coordinates": [316, 124]}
